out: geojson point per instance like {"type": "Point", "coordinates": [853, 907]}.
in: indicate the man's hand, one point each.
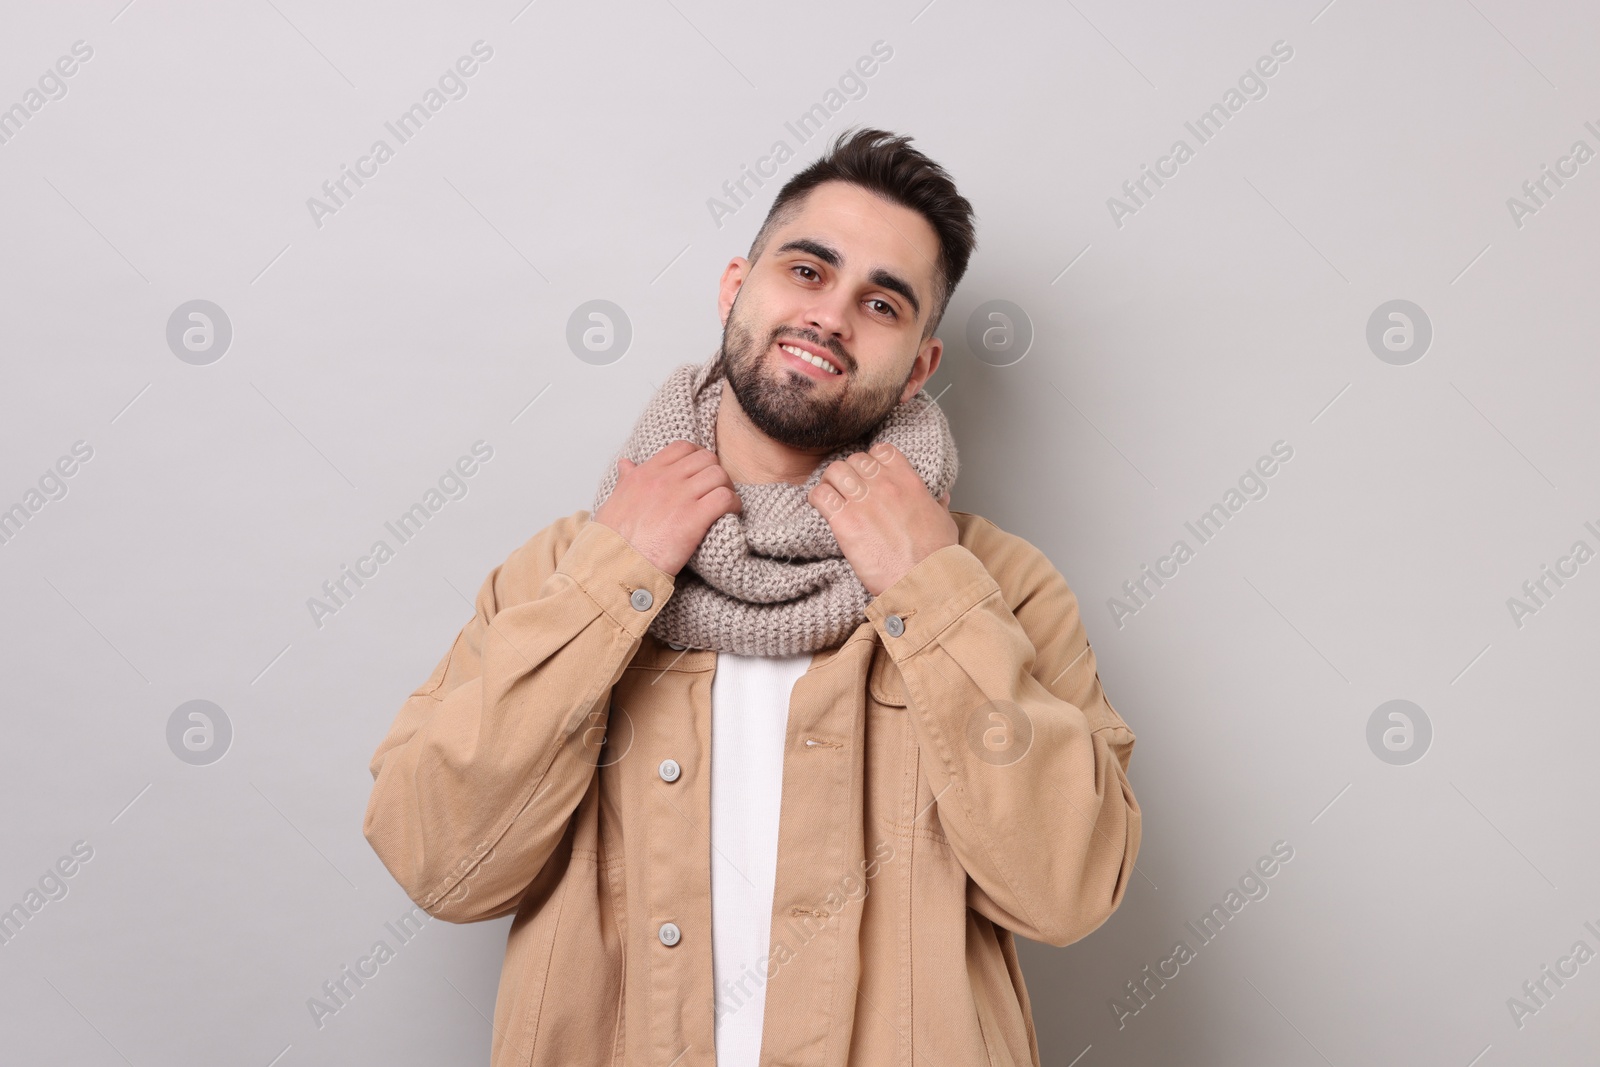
{"type": "Point", "coordinates": [664, 506]}
{"type": "Point", "coordinates": [882, 515]}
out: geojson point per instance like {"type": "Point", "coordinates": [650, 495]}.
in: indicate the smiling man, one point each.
{"type": "Point", "coordinates": [771, 754]}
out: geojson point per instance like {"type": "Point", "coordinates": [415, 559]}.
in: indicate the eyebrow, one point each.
{"type": "Point", "coordinates": [880, 277]}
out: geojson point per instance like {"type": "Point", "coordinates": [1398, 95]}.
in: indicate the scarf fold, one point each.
{"type": "Point", "coordinates": [772, 580]}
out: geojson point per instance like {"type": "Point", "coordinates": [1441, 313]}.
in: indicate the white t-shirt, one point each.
{"type": "Point", "coordinates": [749, 719]}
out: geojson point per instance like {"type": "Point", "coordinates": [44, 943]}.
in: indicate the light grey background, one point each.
{"type": "Point", "coordinates": [1169, 353]}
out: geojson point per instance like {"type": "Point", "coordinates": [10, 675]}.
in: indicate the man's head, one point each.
{"type": "Point", "coordinates": [855, 263]}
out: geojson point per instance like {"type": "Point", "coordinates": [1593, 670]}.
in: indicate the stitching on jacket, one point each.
{"type": "Point", "coordinates": [668, 667]}
{"type": "Point", "coordinates": [603, 610]}
{"type": "Point", "coordinates": [886, 825]}
{"type": "Point", "coordinates": [449, 661]}
{"type": "Point", "coordinates": [594, 599]}
{"type": "Point", "coordinates": [877, 685]}
{"type": "Point", "coordinates": [983, 1036]}
{"type": "Point", "coordinates": [544, 985]}
{"type": "Point", "coordinates": [922, 832]}
{"type": "Point", "coordinates": [618, 1038]}
{"type": "Point", "coordinates": [909, 887]}
{"type": "Point", "coordinates": [976, 583]}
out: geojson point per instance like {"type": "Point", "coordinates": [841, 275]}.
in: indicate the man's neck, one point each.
{"type": "Point", "coordinates": [751, 457]}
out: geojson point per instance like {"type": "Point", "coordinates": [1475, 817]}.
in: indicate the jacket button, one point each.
{"type": "Point", "coordinates": [895, 625]}
{"type": "Point", "coordinates": [670, 770]}
{"type": "Point", "coordinates": [670, 934]}
{"type": "Point", "coordinates": [675, 646]}
{"type": "Point", "coordinates": [641, 600]}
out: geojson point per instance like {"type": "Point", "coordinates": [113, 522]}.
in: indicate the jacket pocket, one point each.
{"type": "Point", "coordinates": [884, 681]}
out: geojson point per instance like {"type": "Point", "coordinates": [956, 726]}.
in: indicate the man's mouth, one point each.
{"type": "Point", "coordinates": [817, 365]}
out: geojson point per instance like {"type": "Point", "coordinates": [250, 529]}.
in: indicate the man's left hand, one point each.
{"type": "Point", "coordinates": [882, 515]}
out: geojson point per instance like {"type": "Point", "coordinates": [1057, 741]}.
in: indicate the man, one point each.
{"type": "Point", "coordinates": [771, 754]}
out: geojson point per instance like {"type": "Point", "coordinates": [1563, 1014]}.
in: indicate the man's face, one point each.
{"type": "Point", "coordinates": [849, 277]}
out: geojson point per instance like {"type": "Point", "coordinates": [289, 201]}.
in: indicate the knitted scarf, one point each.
{"type": "Point", "coordinates": [770, 580]}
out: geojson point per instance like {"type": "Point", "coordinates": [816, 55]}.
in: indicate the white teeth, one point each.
{"type": "Point", "coordinates": [815, 361]}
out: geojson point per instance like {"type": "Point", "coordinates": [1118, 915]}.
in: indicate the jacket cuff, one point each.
{"type": "Point", "coordinates": [929, 597]}
{"type": "Point", "coordinates": [626, 586]}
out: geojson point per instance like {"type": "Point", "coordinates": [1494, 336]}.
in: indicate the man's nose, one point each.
{"type": "Point", "coordinates": [828, 315]}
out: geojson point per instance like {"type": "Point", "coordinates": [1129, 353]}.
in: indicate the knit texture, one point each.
{"type": "Point", "coordinates": [771, 580]}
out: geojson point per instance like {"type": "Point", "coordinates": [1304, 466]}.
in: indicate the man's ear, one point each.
{"type": "Point", "coordinates": [922, 367]}
{"type": "Point", "coordinates": [733, 276]}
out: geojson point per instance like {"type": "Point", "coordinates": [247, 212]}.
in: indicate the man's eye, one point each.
{"type": "Point", "coordinates": [888, 308]}
{"type": "Point", "coordinates": [805, 268]}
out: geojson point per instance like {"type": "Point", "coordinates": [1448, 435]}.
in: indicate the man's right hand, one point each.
{"type": "Point", "coordinates": [664, 506]}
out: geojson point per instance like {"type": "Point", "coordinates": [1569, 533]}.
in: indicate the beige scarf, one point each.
{"type": "Point", "coordinates": [770, 581]}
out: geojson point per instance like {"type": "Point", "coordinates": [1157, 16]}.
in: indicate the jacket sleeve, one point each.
{"type": "Point", "coordinates": [478, 777]}
{"type": "Point", "coordinates": [1026, 758]}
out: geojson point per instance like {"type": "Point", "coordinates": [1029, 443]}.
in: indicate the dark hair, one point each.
{"type": "Point", "coordinates": [887, 165]}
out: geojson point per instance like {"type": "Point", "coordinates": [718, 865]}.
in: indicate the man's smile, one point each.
{"type": "Point", "coordinates": [807, 360]}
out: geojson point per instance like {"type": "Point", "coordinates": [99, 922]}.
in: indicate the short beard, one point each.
{"type": "Point", "coordinates": [783, 404]}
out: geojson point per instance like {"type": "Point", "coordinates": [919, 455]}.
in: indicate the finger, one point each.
{"type": "Point", "coordinates": [843, 477]}
{"type": "Point", "coordinates": [945, 499]}
{"type": "Point", "coordinates": [675, 450]}
{"type": "Point", "coordinates": [709, 479]}
{"type": "Point", "coordinates": [691, 460]}
{"type": "Point", "coordinates": [865, 462]}
{"type": "Point", "coordinates": [826, 499]}
{"type": "Point", "coordinates": [717, 503]}
{"type": "Point", "coordinates": [624, 465]}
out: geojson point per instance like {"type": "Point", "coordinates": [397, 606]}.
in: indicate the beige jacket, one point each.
{"type": "Point", "coordinates": [953, 774]}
